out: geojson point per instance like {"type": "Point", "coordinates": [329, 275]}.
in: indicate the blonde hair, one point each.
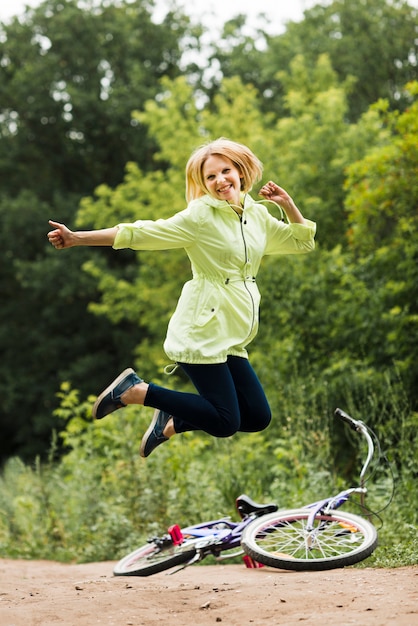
{"type": "Point", "coordinates": [250, 166]}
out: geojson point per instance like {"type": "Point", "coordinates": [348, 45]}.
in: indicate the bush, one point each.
{"type": "Point", "coordinates": [100, 500]}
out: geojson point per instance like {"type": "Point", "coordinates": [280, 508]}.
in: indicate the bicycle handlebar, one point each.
{"type": "Point", "coordinates": [361, 428]}
{"type": "Point", "coordinates": [354, 424]}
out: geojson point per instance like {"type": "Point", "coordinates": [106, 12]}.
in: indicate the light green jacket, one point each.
{"type": "Point", "coordinates": [217, 313]}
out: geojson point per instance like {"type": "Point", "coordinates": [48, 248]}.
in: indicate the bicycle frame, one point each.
{"type": "Point", "coordinates": [211, 539]}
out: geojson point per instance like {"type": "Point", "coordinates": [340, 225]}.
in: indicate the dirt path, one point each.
{"type": "Point", "coordinates": [39, 593]}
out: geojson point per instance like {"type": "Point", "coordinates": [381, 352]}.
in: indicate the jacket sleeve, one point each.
{"type": "Point", "coordinates": [178, 231]}
{"type": "Point", "coordinates": [290, 238]}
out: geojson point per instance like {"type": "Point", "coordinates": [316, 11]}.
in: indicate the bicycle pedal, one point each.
{"type": "Point", "coordinates": [250, 562]}
{"type": "Point", "coordinates": [176, 534]}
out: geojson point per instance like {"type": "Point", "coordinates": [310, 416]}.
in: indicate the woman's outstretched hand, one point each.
{"type": "Point", "coordinates": [61, 237]}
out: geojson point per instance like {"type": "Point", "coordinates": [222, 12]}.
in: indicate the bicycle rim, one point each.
{"type": "Point", "coordinates": [282, 540]}
{"type": "Point", "coordinates": [152, 559]}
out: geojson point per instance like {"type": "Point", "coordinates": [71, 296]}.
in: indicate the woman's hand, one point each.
{"type": "Point", "coordinates": [61, 237]}
{"type": "Point", "coordinates": [271, 191]}
{"type": "Point", "coordinates": [277, 194]}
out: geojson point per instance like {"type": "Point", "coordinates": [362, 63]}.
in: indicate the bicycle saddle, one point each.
{"type": "Point", "coordinates": [245, 506]}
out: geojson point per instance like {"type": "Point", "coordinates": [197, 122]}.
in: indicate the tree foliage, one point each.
{"type": "Point", "coordinates": [372, 41]}
{"type": "Point", "coordinates": [383, 200]}
{"type": "Point", "coordinates": [69, 79]}
{"type": "Point", "coordinates": [70, 76]}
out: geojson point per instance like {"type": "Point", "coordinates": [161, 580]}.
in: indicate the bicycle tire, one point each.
{"type": "Point", "coordinates": [152, 559]}
{"type": "Point", "coordinates": [280, 540]}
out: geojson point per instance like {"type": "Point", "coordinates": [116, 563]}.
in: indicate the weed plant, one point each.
{"type": "Point", "coordinates": [99, 499]}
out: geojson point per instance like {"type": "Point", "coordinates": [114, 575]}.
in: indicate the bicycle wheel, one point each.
{"type": "Point", "coordinates": [153, 558]}
{"type": "Point", "coordinates": [282, 540]}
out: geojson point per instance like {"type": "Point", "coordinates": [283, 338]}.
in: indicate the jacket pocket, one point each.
{"type": "Point", "coordinates": [208, 307]}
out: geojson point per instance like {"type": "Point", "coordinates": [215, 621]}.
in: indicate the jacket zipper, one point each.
{"type": "Point", "coordinates": [245, 277]}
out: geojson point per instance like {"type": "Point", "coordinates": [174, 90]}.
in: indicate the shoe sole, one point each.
{"type": "Point", "coordinates": [112, 385]}
{"type": "Point", "coordinates": [147, 433]}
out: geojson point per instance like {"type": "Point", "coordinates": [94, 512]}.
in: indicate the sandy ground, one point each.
{"type": "Point", "coordinates": [40, 593]}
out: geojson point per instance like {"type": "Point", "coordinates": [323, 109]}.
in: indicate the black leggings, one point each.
{"type": "Point", "coordinates": [230, 399]}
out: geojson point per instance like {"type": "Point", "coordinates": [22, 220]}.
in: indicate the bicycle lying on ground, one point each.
{"type": "Point", "coordinates": [315, 537]}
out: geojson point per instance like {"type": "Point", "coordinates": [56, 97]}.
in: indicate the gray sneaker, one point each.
{"type": "Point", "coordinates": [154, 435]}
{"type": "Point", "coordinates": [109, 400]}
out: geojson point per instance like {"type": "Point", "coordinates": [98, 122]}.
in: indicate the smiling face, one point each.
{"type": "Point", "coordinates": [222, 178]}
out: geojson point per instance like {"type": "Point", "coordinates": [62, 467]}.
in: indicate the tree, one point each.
{"type": "Point", "coordinates": [354, 307]}
{"type": "Point", "coordinates": [61, 323]}
{"type": "Point", "coordinates": [308, 143]}
{"type": "Point", "coordinates": [69, 79]}
{"type": "Point", "coordinates": [382, 202]}
{"type": "Point", "coordinates": [373, 41]}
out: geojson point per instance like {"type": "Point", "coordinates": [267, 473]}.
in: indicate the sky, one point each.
{"type": "Point", "coordinates": [214, 13]}
{"type": "Point", "coordinates": [210, 12]}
